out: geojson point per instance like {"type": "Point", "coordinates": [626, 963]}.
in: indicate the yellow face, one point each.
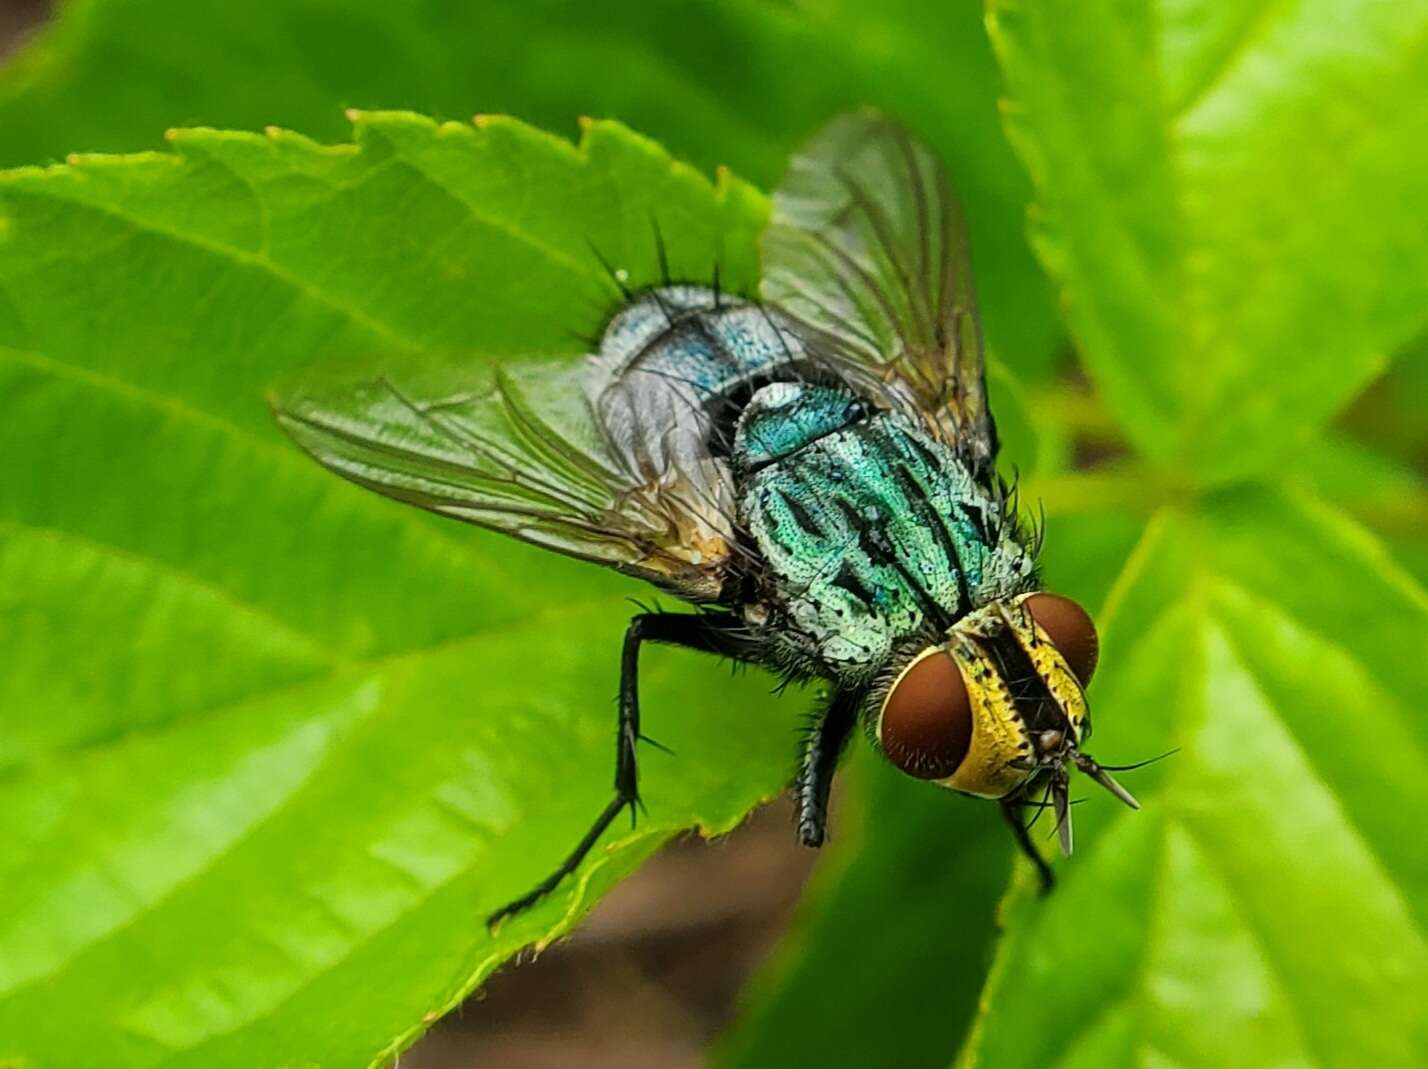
{"type": "Point", "coordinates": [1000, 699]}
{"type": "Point", "coordinates": [1002, 740]}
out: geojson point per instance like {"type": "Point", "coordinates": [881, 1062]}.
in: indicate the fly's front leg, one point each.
{"type": "Point", "coordinates": [710, 633]}
{"type": "Point", "coordinates": [707, 632]}
{"type": "Point", "coordinates": [821, 750]}
{"type": "Point", "coordinates": [1011, 810]}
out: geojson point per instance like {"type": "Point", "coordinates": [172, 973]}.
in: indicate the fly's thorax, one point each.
{"type": "Point", "coordinates": [833, 533]}
{"type": "Point", "coordinates": [874, 534]}
{"type": "Point", "coordinates": [995, 701]}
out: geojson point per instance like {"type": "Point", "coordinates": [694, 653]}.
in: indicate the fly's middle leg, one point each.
{"type": "Point", "coordinates": [821, 750]}
{"type": "Point", "coordinates": [708, 632]}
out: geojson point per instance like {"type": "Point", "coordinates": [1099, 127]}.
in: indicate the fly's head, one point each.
{"type": "Point", "coordinates": [998, 708]}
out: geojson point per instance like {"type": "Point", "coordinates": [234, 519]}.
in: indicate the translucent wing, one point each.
{"type": "Point", "coordinates": [868, 250]}
{"type": "Point", "coordinates": [518, 451]}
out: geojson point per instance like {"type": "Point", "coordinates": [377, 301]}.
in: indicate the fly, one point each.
{"type": "Point", "coordinates": [814, 472]}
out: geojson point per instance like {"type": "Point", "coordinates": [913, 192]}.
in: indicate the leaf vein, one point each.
{"type": "Point", "coordinates": [246, 257]}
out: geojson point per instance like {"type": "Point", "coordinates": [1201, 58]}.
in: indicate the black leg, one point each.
{"type": "Point", "coordinates": [709, 632]}
{"type": "Point", "coordinates": [1011, 810]}
{"type": "Point", "coordinates": [821, 750]}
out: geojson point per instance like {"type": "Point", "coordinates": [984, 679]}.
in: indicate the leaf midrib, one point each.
{"type": "Point", "coordinates": [341, 667]}
{"type": "Point", "coordinates": [223, 251]}
{"type": "Point", "coordinates": [1196, 595]}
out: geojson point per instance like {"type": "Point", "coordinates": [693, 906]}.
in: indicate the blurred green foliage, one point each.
{"type": "Point", "coordinates": [269, 746]}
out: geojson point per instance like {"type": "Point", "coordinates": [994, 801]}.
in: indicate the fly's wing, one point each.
{"type": "Point", "coordinates": [517, 451]}
{"type": "Point", "coordinates": [867, 249]}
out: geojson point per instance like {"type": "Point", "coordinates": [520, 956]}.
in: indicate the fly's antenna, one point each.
{"type": "Point", "coordinates": [1141, 764]}
{"type": "Point", "coordinates": [1088, 767]}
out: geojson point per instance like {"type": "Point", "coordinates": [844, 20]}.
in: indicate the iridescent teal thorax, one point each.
{"type": "Point", "coordinates": [860, 531]}
{"type": "Point", "coordinates": [874, 532]}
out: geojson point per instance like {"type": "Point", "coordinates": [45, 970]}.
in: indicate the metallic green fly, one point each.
{"type": "Point", "coordinates": [815, 472]}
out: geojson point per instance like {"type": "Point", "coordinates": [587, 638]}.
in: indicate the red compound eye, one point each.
{"type": "Point", "coordinates": [1071, 630]}
{"type": "Point", "coordinates": [926, 722]}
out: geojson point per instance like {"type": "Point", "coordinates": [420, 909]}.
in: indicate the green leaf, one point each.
{"type": "Point", "coordinates": [1388, 497]}
{"type": "Point", "coordinates": [1269, 904]}
{"type": "Point", "coordinates": [736, 82]}
{"type": "Point", "coordinates": [1234, 201]}
{"type": "Point", "coordinates": [270, 746]}
{"type": "Point", "coordinates": [1388, 416]}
